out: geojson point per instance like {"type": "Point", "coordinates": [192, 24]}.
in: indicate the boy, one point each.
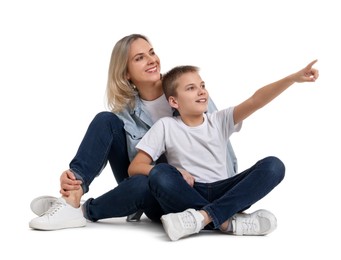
{"type": "Point", "coordinates": [198, 185]}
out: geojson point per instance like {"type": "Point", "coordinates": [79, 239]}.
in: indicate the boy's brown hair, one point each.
{"type": "Point", "coordinates": [169, 80]}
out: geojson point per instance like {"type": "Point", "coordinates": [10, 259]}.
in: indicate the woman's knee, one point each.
{"type": "Point", "coordinates": [105, 118]}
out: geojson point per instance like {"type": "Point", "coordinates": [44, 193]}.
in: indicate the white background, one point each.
{"type": "Point", "coordinates": [54, 57]}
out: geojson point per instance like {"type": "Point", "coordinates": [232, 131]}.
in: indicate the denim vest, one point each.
{"type": "Point", "coordinates": [137, 122]}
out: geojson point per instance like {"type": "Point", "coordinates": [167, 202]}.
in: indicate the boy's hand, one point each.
{"type": "Point", "coordinates": [308, 74]}
{"type": "Point", "coordinates": [187, 176]}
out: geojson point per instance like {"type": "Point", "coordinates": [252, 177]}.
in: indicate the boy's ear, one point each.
{"type": "Point", "coordinates": [173, 102]}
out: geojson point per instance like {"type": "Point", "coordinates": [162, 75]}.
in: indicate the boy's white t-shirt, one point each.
{"type": "Point", "coordinates": [200, 150]}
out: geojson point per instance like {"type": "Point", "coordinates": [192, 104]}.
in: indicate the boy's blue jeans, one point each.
{"type": "Point", "coordinates": [221, 199]}
{"type": "Point", "coordinates": [105, 141]}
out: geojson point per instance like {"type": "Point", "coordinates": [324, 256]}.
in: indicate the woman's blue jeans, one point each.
{"type": "Point", "coordinates": [105, 140]}
{"type": "Point", "coordinates": [221, 199]}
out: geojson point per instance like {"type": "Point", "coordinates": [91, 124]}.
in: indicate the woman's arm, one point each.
{"type": "Point", "coordinates": [141, 164]}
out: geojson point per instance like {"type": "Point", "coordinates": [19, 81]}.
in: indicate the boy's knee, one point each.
{"type": "Point", "coordinates": [277, 167]}
{"type": "Point", "coordinates": [158, 169]}
{"type": "Point", "coordinates": [161, 175]}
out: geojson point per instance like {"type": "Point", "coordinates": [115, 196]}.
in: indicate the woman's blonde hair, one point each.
{"type": "Point", "coordinates": [120, 91]}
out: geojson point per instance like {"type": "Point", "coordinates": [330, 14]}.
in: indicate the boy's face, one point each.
{"type": "Point", "coordinates": [192, 96]}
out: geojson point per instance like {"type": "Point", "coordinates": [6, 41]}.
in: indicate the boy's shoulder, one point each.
{"type": "Point", "coordinates": [220, 114]}
{"type": "Point", "coordinates": [165, 120]}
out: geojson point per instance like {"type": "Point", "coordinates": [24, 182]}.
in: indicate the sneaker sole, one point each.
{"type": "Point", "coordinates": [41, 204]}
{"type": "Point", "coordinates": [77, 223]}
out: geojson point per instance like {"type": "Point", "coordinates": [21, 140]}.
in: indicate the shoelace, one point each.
{"type": "Point", "coordinates": [188, 220]}
{"type": "Point", "coordinates": [249, 225]}
{"type": "Point", "coordinates": [56, 206]}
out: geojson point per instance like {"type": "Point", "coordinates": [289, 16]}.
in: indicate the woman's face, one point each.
{"type": "Point", "coordinates": [143, 64]}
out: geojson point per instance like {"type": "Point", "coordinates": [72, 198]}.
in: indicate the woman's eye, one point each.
{"type": "Point", "coordinates": [139, 58]}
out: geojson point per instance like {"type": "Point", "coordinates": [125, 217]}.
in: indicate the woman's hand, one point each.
{"type": "Point", "coordinates": [68, 183]}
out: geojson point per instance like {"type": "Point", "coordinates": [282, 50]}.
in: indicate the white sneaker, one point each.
{"type": "Point", "coordinates": [41, 204]}
{"type": "Point", "coordinates": [178, 225]}
{"type": "Point", "coordinates": [60, 215]}
{"type": "Point", "coordinates": [258, 223]}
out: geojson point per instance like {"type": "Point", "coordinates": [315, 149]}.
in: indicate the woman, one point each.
{"type": "Point", "coordinates": [136, 100]}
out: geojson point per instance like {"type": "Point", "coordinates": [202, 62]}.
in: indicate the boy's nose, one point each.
{"type": "Point", "coordinates": [202, 91]}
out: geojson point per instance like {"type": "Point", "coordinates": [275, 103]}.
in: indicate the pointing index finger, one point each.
{"type": "Point", "coordinates": [310, 65]}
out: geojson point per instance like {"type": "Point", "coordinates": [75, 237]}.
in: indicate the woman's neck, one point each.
{"type": "Point", "coordinates": [151, 92]}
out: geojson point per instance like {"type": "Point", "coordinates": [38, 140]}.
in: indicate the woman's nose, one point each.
{"type": "Point", "coordinates": [151, 59]}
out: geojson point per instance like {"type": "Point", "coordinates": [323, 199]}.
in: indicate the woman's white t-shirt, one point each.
{"type": "Point", "coordinates": [157, 108]}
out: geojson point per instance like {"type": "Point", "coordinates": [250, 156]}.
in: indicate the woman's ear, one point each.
{"type": "Point", "coordinates": [173, 102]}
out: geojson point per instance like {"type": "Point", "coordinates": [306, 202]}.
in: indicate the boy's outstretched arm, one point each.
{"type": "Point", "coordinates": [269, 92]}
